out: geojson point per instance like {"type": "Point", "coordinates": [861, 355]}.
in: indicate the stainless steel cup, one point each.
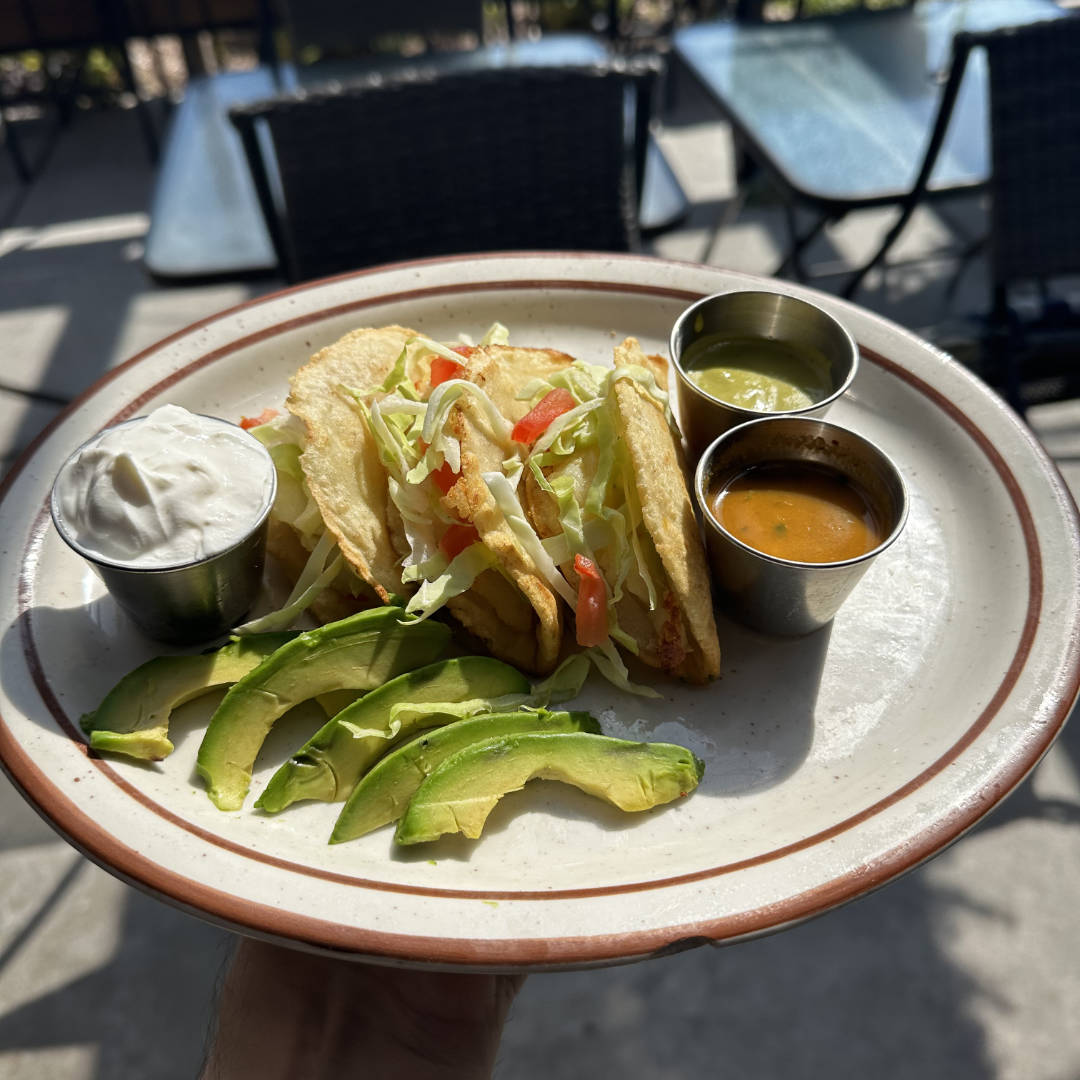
{"type": "Point", "coordinates": [189, 602]}
{"type": "Point", "coordinates": [779, 596]}
{"type": "Point", "coordinates": [770, 315]}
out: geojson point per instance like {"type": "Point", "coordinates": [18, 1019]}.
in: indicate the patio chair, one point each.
{"type": "Point", "coordinates": [759, 10]}
{"type": "Point", "coordinates": [437, 164]}
{"type": "Point", "coordinates": [67, 29]}
{"type": "Point", "coordinates": [329, 28]}
{"type": "Point", "coordinates": [1034, 186]}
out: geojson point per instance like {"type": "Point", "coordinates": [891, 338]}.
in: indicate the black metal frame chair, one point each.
{"type": "Point", "coordinates": [337, 29]}
{"type": "Point", "coordinates": [754, 10]}
{"type": "Point", "coordinates": [59, 28]}
{"type": "Point", "coordinates": [420, 165]}
{"type": "Point", "coordinates": [1034, 186]}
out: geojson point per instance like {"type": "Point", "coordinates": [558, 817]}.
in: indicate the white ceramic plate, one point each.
{"type": "Point", "coordinates": [834, 762]}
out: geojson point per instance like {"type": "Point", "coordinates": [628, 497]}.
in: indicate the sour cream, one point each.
{"type": "Point", "coordinates": [164, 490]}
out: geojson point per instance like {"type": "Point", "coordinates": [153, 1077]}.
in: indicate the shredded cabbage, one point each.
{"type": "Point", "coordinates": [507, 501]}
{"type": "Point", "coordinates": [357, 732]}
{"type": "Point", "coordinates": [284, 437]}
{"type": "Point", "coordinates": [317, 574]}
{"type": "Point", "coordinates": [463, 570]}
{"type": "Point", "coordinates": [443, 397]}
{"type": "Point", "coordinates": [437, 347]}
{"type": "Point", "coordinates": [497, 334]}
{"type": "Point", "coordinates": [610, 664]}
{"type": "Point", "coordinates": [568, 423]}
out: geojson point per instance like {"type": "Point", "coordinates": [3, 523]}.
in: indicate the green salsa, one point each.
{"type": "Point", "coordinates": [759, 373]}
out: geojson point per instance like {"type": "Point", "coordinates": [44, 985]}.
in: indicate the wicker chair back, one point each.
{"type": "Point", "coordinates": [1035, 148]}
{"type": "Point", "coordinates": [408, 167]}
{"type": "Point", "coordinates": [350, 29]}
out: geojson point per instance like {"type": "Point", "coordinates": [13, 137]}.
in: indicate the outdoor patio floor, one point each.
{"type": "Point", "coordinates": [966, 968]}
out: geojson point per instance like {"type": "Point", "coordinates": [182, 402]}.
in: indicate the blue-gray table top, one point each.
{"type": "Point", "coordinates": [841, 107]}
{"type": "Point", "coordinates": [205, 218]}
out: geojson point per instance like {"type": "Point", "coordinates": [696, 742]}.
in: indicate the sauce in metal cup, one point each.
{"type": "Point", "coordinates": [796, 330]}
{"type": "Point", "coordinates": [788, 596]}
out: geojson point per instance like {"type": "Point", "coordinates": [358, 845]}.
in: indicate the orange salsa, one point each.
{"type": "Point", "coordinates": [798, 511]}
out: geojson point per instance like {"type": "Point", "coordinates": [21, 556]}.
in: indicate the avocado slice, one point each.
{"type": "Point", "coordinates": [383, 794]}
{"type": "Point", "coordinates": [333, 702]}
{"type": "Point", "coordinates": [133, 718]}
{"type": "Point", "coordinates": [357, 653]}
{"type": "Point", "coordinates": [328, 765]}
{"type": "Point", "coordinates": [463, 790]}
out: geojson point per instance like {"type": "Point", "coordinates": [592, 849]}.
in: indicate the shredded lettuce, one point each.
{"type": "Point", "coordinates": [463, 570]}
{"type": "Point", "coordinates": [392, 443]}
{"type": "Point", "coordinates": [564, 683]}
{"type": "Point", "coordinates": [569, 424]}
{"type": "Point", "coordinates": [437, 347]}
{"type": "Point", "coordinates": [496, 334]}
{"type": "Point", "coordinates": [598, 534]}
{"type": "Point", "coordinates": [281, 429]}
{"type": "Point", "coordinates": [389, 732]}
{"type": "Point", "coordinates": [584, 381]}
{"type": "Point", "coordinates": [397, 380]}
{"type": "Point", "coordinates": [610, 664]}
{"type": "Point", "coordinates": [507, 501]}
{"type": "Point", "coordinates": [446, 394]}
{"type": "Point", "coordinates": [321, 568]}
{"type": "Point", "coordinates": [284, 437]}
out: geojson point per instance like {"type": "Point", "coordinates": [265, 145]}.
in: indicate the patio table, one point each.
{"type": "Point", "coordinates": [838, 110]}
{"type": "Point", "coordinates": [205, 219]}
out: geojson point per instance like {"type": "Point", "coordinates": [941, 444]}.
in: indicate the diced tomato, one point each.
{"type": "Point", "coordinates": [592, 624]}
{"type": "Point", "coordinates": [445, 478]}
{"type": "Point", "coordinates": [465, 350]}
{"type": "Point", "coordinates": [457, 538]}
{"type": "Point", "coordinates": [443, 369]}
{"type": "Point", "coordinates": [248, 422]}
{"type": "Point", "coordinates": [537, 420]}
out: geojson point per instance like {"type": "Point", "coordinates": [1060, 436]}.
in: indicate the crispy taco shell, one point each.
{"type": "Point", "coordinates": [509, 607]}
{"type": "Point", "coordinates": [686, 642]}
{"type": "Point", "coordinates": [678, 635]}
{"type": "Point", "coordinates": [341, 461]}
{"type": "Point", "coordinates": [501, 370]}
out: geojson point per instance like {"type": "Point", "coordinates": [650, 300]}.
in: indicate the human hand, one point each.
{"type": "Point", "coordinates": [287, 1014]}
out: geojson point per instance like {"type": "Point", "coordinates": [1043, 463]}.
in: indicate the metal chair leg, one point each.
{"type": "Point", "coordinates": [727, 215]}
{"type": "Point", "coordinates": [798, 243]}
{"type": "Point", "coordinates": [15, 150]}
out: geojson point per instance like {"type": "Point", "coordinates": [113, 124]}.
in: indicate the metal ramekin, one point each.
{"type": "Point", "coordinates": [780, 596]}
{"type": "Point", "coordinates": [189, 602]}
{"type": "Point", "coordinates": [772, 315]}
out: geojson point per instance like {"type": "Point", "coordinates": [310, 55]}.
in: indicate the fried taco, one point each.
{"type": "Point", "coordinates": [605, 489]}
{"type": "Point", "coordinates": [399, 432]}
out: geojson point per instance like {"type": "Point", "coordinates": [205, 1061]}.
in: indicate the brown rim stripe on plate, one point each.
{"type": "Point", "coordinates": [188, 893]}
{"type": "Point", "coordinates": [374, 301]}
{"type": "Point", "coordinates": [938, 399]}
